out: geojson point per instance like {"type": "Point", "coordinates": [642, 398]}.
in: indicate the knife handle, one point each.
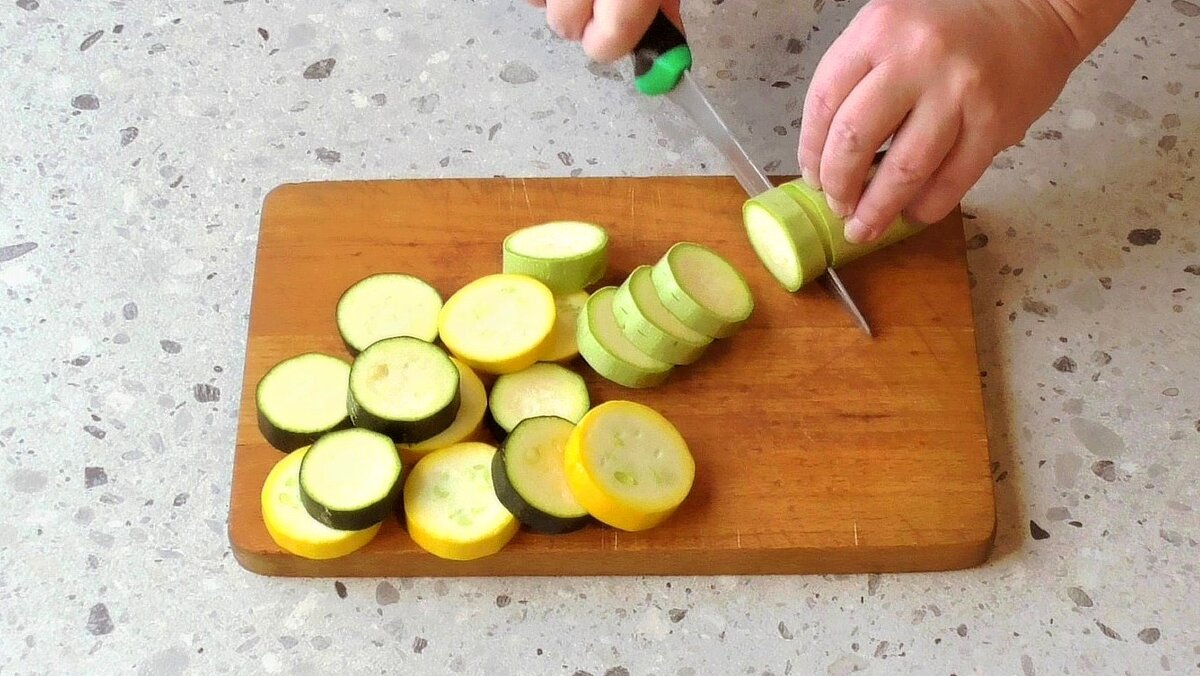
{"type": "Point", "coordinates": [660, 58]}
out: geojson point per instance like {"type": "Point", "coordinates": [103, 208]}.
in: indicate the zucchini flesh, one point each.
{"type": "Point", "coordinates": [628, 465]}
{"type": "Point", "coordinates": [350, 480]}
{"type": "Point", "coordinates": [499, 323]}
{"type": "Point", "coordinates": [831, 228]}
{"type": "Point", "coordinates": [784, 238]}
{"type": "Point", "coordinates": [703, 290]}
{"type": "Point", "coordinates": [529, 479]}
{"type": "Point", "coordinates": [291, 526]}
{"type": "Point", "coordinates": [450, 505]}
{"type": "Point", "coordinates": [562, 347]}
{"type": "Point", "coordinates": [301, 398]}
{"type": "Point", "coordinates": [652, 328]}
{"type": "Point", "coordinates": [387, 305]}
{"type": "Point", "coordinates": [566, 256]}
{"type": "Point", "coordinates": [540, 390]}
{"type": "Point", "coordinates": [467, 424]}
{"type": "Point", "coordinates": [609, 352]}
{"type": "Point", "coordinates": [405, 388]}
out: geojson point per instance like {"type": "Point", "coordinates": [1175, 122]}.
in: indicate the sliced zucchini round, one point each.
{"type": "Point", "coordinates": [450, 505]}
{"type": "Point", "coordinates": [291, 526]}
{"type": "Point", "coordinates": [566, 256]}
{"type": "Point", "coordinates": [610, 354]}
{"type": "Point", "coordinates": [784, 238]}
{"type": "Point", "coordinates": [562, 347]}
{"type": "Point", "coordinates": [540, 390]}
{"type": "Point", "coordinates": [703, 290]}
{"type": "Point", "coordinates": [405, 388]}
{"type": "Point", "coordinates": [301, 398]}
{"type": "Point", "coordinates": [652, 328]}
{"type": "Point", "coordinates": [832, 229]}
{"type": "Point", "coordinates": [467, 426]}
{"type": "Point", "coordinates": [628, 465]}
{"type": "Point", "coordinates": [387, 305]}
{"type": "Point", "coordinates": [351, 479]}
{"type": "Point", "coordinates": [529, 480]}
{"type": "Point", "coordinates": [499, 323]}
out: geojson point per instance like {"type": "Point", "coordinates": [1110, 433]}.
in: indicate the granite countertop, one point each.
{"type": "Point", "coordinates": [139, 139]}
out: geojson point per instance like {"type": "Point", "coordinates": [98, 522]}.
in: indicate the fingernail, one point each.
{"type": "Point", "coordinates": [837, 207]}
{"type": "Point", "coordinates": [857, 232]}
{"type": "Point", "coordinates": [810, 179]}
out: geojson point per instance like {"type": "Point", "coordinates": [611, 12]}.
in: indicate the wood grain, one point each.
{"type": "Point", "coordinates": [818, 448]}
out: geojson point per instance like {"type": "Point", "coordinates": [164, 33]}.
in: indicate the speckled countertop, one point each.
{"type": "Point", "coordinates": [139, 138]}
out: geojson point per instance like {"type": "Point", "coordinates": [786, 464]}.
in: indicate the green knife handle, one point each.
{"type": "Point", "coordinates": [660, 58]}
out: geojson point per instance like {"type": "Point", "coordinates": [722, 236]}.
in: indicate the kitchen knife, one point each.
{"type": "Point", "coordinates": [662, 63]}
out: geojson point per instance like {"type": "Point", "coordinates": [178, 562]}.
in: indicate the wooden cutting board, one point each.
{"type": "Point", "coordinates": [818, 449]}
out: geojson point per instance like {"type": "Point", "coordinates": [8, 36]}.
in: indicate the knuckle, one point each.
{"type": "Point", "coordinates": [819, 105]}
{"type": "Point", "coordinates": [847, 136]}
{"type": "Point", "coordinates": [907, 172]}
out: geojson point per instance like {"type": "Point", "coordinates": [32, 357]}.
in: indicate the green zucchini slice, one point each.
{"type": "Point", "coordinates": [301, 398]}
{"type": "Point", "coordinates": [609, 352]}
{"type": "Point", "coordinates": [528, 476]}
{"type": "Point", "coordinates": [387, 305]}
{"type": "Point", "coordinates": [566, 256]}
{"type": "Point", "coordinates": [652, 328]}
{"type": "Point", "coordinates": [543, 389]}
{"type": "Point", "coordinates": [784, 238]}
{"type": "Point", "coordinates": [351, 479]}
{"type": "Point", "coordinates": [703, 290]}
{"type": "Point", "coordinates": [405, 388]}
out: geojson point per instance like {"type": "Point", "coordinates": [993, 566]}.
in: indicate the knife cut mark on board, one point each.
{"type": "Point", "coordinates": [528, 206]}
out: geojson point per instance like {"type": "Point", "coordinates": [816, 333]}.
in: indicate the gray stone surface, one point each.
{"type": "Point", "coordinates": [139, 138]}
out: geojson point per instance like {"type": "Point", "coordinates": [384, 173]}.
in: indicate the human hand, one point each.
{"type": "Point", "coordinates": [606, 29]}
{"type": "Point", "coordinates": [951, 82]}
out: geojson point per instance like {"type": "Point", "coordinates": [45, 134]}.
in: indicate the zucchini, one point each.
{"type": "Point", "coordinates": [628, 465]}
{"type": "Point", "coordinates": [528, 477]}
{"type": "Point", "coordinates": [610, 354]}
{"type": "Point", "coordinates": [703, 290]}
{"type": "Point", "coordinates": [652, 328]}
{"type": "Point", "coordinates": [351, 479]}
{"type": "Point", "coordinates": [831, 228]}
{"type": "Point", "coordinates": [498, 324]}
{"type": "Point", "coordinates": [467, 425]}
{"type": "Point", "coordinates": [562, 347]}
{"type": "Point", "coordinates": [405, 388]}
{"type": "Point", "coordinates": [566, 256]}
{"type": "Point", "coordinates": [450, 505]}
{"type": "Point", "coordinates": [301, 398]}
{"type": "Point", "coordinates": [784, 238]}
{"type": "Point", "coordinates": [291, 526]}
{"type": "Point", "coordinates": [540, 390]}
{"type": "Point", "coordinates": [387, 305]}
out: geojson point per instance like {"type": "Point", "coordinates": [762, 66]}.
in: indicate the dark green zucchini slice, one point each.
{"type": "Point", "coordinates": [302, 398]}
{"type": "Point", "coordinates": [543, 389]}
{"type": "Point", "coordinates": [351, 479]}
{"type": "Point", "coordinates": [528, 476]}
{"type": "Point", "coordinates": [405, 388]}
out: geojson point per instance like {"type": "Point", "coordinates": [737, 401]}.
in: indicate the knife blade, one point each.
{"type": "Point", "coordinates": [662, 65]}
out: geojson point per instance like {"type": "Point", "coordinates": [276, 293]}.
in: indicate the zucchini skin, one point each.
{"type": "Point", "coordinates": [288, 441]}
{"type": "Point", "coordinates": [353, 519]}
{"type": "Point", "coordinates": [533, 518]}
{"type": "Point", "coordinates": [406, 431]}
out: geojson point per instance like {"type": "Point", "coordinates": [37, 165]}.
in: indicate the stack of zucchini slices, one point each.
{"type": "Point", "coordinates": [407, 424]}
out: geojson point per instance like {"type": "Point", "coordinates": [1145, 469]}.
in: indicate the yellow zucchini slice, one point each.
{"type": "Point", "coordinates": [450, 504]}
{"type": "Point", "coordinates": [628, 466]}
{"type": "Point", "coordinates": [498, 324]}
{"type": "Point", "coordinates": [562, 346]}
{"type": "Point", "coordinates": [289, 523]}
